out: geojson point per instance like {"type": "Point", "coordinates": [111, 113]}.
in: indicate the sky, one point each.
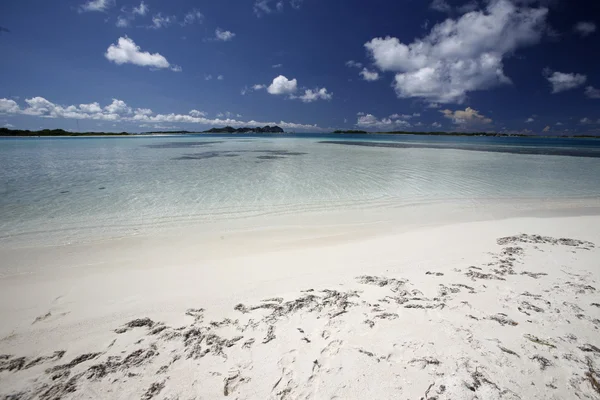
{"type": "Point", "coordinates": [514, 66]}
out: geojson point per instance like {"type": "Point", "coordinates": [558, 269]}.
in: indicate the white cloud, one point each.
{"type": "Point", "coordinates": [443, 6]}
{"type": "Point", "coordinates": [559, 124]}
{"type": "Point", "coordinates": [125, 19]}
{"type": "Point", "coordinates": [127, 52]}
{"type": "Point", "coordinates": [588, 121]}
{"type": "Point", "coordinates": [369, 75]}
{"type": "Point", "coordinates": [585, 28]}
{"type": "Point", "coordinates": [369, 121]}
{"type": "Point", "coordinates": [404, 116]}
{"type": "Point", "coordinates": [122, 22]}
{"type": "Point", "coordinates": [529, 120]}
{"type": "Point", "coordinates": [562, 81]}
{"type": "Point", "coordinates": [282, 85]}
{"type": "Point", "coordinates": [162, 21]}
{"type": "Point", "coordinates": [91, 108]}
{"type": "Point", "coordinates": [468, 116]}
{"type": "Point", "coordinates": [96, 5]}
{"type": "Point", "coordinates": [592, 92]}
{"type": "Point", "coordinates": [207, 77]}
{"type": "Point", "coordinates": [196, 113]}
{"type": "Point", "coordinates": [143, 111]}
{"type": "Point", "coordinates": [436, 125]}
{"type": "Point", "coordinates": [8, 106]}
{"type": "Point", "coordinates": [546, 129]}
{"type": "Point", "coordinates": [276, 65]}
{"type": "Point", "coordinates": [258, 87]}
{"type": "Point", "coordinates": [224, 36]}
{"type": "Point", "coordinates": [142, 9]}
{"type": "Point", "coordinates": [433, 105]}
{"type": "Point", "coordinates": [220, 77]}
{"type": "Point", "coordinates": [262, 7]}
{"type": "Point", "coordinates": [119, 111]}
{"type": "Point", "coordinates": [313, 95]}
{"type": "Point", "coordinates": [353, 64]}
{"type": "Point", "coordinates": [9, 126]}
{"type": "Point", "coordinates": [440, 5]}
{"type": "Point", "coordinates": [227, 114]}
{"type": "Point", "coordinates": [118, 107]}
{"type": "Point", "coordinates": [459, 55]}
{"type": "Point", "coordinates": [192, 17]}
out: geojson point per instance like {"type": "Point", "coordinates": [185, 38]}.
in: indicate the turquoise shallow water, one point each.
{"type": "Point", "coordinates": [55, 186]}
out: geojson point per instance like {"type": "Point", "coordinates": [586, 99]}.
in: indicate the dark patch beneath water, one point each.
{"type": "Point", "coordinates": [269, 157]}
{"type": "Point", "coordinates": [179, 145]}
{"type": "Point", "coordinates": [547, 151]}
{"type": "Point", "coordinates": [206, 155]}
{"type": "Point", "coordinates": [267, 154]}
{"type": "Point", "coordinates": [280, 152]}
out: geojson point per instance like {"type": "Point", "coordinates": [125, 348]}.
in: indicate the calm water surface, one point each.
{"type": "Point", "coordinates": [49, 186]}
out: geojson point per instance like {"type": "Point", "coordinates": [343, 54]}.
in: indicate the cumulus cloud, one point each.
{"type": "Point", "coordinates": [585, 28]}
{"type": "Point", "coordinates": [436, 125]}
{"type": "Point", "coordinates": [220, 77]}
{"type": "Point", "coordinates": [118, 107]}
{"type": "Point", "coordinates": [119, 111]}
{"type": "Point", "coordinates": [468, 116]}
{"type": "Point", "coordinates": [313, 95]}
{"type": "Point", "coordinates": [96, 5]}
{"type": "Point", "coordinates": [276, 65]}
{"type": "Point", "coordinates": [223, 36]}
{"type": "Point", "coordinates": [546, 129]}
{"type": "Point", "coordinates": [127, 52]}
{"type": "Point", "coordinates": [8, 106]}
{"type": "Point", "coordinates": [282, 85]}
{"type": "Point", "coordinates": [592, 92]}
{"type": "Point", "coordinates": [369, 75]}
{"type": "Point", "coordinates": [459, 55]}
{"type": "Point", "coordinates": [91, 108]}
{"type": "Point", "coordinates": [564, 81]}
{"type": "Point", "coordinates": [529, 120]}
{"type": "Point", "coordinates": [369, 121]}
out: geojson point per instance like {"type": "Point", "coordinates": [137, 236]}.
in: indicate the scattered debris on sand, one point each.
{"type": "Point", "coordinates": [308, 340]}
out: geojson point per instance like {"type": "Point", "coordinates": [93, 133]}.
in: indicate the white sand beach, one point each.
{"type": "Point", "coordinates": [496, 308]}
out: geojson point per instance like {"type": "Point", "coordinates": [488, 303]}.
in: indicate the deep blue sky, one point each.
{"type": "Point", "coordinates": [488, 65]}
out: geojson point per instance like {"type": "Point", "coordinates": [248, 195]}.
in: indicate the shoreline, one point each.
{"type": "Point", "coordinates": [93, 291]}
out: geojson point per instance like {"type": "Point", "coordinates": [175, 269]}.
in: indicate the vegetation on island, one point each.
{"type": "Point", "coordinates": [229, 129]}
{"type": "Point", "coordinates": [55, 132]}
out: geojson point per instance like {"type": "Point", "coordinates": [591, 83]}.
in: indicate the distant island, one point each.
{"type": "Point", "coordinates": [56, 132]}
{"type": "Point", "coordinates": [272, 129]}
{"type": "Point", "coordinates": [229, 129]}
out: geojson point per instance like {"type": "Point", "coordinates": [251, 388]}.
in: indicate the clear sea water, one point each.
{"type": "Point", "coordinates": [61, 186]}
